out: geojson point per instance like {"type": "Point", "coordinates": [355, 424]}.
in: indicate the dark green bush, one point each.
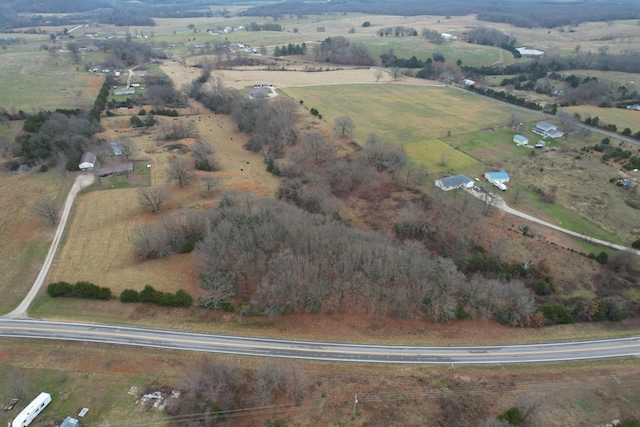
{"type": "Point", "coordinates": [59, 289]}
{"type": "Point", "coordinates": [636, 244]}
{"type": "Point", "coordinates": [148, 295]}
{"type": "Point", "coordinates": [556, 314]}
{"type": "Point", "coordinates": [129, 295]}
{"type": "Point", "coordinates": [80, 289]}
{"type": "Point", "coordinates": [542, 288]}
{"type": "Point", "coordinates": [512, 415]}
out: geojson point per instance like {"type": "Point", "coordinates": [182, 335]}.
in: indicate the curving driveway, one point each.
{"type": "Point", "coordinates": [80, 182]}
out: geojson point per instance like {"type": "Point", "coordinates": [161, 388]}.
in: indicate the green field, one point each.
{"type": "Point", "coordinates": [426, 120]}
{"type": "Point", "coordinates": [622, 118]}
{"type": "Point", "coordinates": [32, 81]}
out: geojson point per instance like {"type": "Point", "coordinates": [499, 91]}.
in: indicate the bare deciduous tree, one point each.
{"type": "Point", "coordinates": [153, 197]}
{"type": "Point", "coordinates": [128, 147]}
{"type": "Point", "coordinates": [45, 207]}
{"type": "Point", "coordinates": [180, 170]}
{"type": "Point", "coordinates": [210, 182]}
{"type": "Point", "coordinates": [343, 126]}
{"type": "Point", "coordinates": [514, 121]}
{"type": "Point", "coordinates": [316, 145]}
{"type": "Point", "coordinates": [19, 382]}
{"type": "Point", "coordinates": [378, 74]}
{"type": "Point", "coordinates": [204, 155]}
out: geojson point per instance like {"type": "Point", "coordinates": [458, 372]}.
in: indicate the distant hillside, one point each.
{"type": "Point", "coordinates": [522, 13]}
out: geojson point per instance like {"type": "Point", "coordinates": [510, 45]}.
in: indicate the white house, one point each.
{"type": "Point", "coordinates": [546, 129]}
{"type": "Point", "coordinates": [446, 36]}
{"type": "Point", "coordinates": [520, 140]}
{"type": "Point", "coordinates": [453, 182]}
{"type": "Point", "coordinates": [87, 161]}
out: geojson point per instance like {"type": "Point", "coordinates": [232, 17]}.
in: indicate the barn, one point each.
{"type": "Point", "coordinates": [87, 161]}
{"type": "Point", "coordinates": [453, 182]}
{"type": "Point", "coordinates": [520, 140]}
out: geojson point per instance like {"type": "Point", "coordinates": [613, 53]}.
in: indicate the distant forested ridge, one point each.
{"type": "Point", "coordinates": [522, 13]}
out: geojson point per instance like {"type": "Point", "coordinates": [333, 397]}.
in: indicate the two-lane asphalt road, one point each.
{"type": "Point", "coordinates": [339, 352]}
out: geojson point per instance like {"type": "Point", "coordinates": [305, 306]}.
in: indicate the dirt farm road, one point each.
{"type": "Point", "coordinates": [80, 182]}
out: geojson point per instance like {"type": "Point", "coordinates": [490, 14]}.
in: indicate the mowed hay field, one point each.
{"type": "Point", "coordinates": [415, 116]}
{"type": "Point", "coordinates": [25, 239]}
{"type": "Point", "coordinates": [32, 81]}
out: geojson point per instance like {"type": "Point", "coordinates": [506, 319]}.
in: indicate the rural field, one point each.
{"type": "Point", "coordinates": [448, 130]}
{"type": "Point", "coordinates": [557, 394]}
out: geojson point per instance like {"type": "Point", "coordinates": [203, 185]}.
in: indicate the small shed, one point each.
{"type": "Point", "coordinates": [69, 422]}
{"type": "Point", "coordinates": [87, 161]}
{"type": "Point", "coordinates": [453, 182]}
{"type": "Point", "coordinates": [497, 177]}
{"type": "Point", "coordinates": [520, 140]}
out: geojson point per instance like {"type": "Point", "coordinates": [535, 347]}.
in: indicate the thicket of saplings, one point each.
{"type": "Point", "coordinates": [88, 290]}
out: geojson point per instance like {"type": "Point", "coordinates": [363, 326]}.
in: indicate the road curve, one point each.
{"type": "Point", "coordinates": [327, 351]}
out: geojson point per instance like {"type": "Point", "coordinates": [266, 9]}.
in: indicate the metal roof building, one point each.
{"type": "Point", "coordinates": [493, 177]}
{"type": "Point", "coordinates": [453, 182]}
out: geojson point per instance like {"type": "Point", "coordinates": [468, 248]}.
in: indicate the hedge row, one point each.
{"type": "Point", "coordinates": [79, 290]}
{"type": "Point", "coordinates": [150, 295]}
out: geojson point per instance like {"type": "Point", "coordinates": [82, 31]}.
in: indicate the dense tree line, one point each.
{"type": "Point", "coordinates": [267, 26]}
{"type": "Point", "coordinates": [516, 12]}
{"type": "Point", "coordinates": [49, 137]}
{"type": "Point", "coordinates": [339, 50]}
{"type": "Point", "coordinates": [492, 37]}
{"type": "Point", "coordinates": [290, 49]}
{"type": "Point", "coordinates": [150, 295]}
{"type": "Point", "coordinates": [397, 31]}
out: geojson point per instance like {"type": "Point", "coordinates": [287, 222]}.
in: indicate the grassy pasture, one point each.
{"type": "Point", "coordinates": [441, 159]}
{"type": "Point", "coordinates": [622, 118]}
{"type": "Point", "coordinates": [404, 114]}
{"type": "Point", "coordinates": [25, 239]}
{"type": "Point", "coordinates": [31, 81]}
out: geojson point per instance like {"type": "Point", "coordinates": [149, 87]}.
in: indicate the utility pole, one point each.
{"type": "Point", "coordinates": [355, 404]}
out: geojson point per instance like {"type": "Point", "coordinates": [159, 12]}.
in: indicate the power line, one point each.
{"type": "Point", "coordinates": [376, 397]}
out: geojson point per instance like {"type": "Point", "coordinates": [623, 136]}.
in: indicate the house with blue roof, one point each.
{"type": "Point", "coordinates": [520, 140]}
{"type": "Point", "coordinates": [494, 177]}
{"type": "Point", "coordinates": [453, 182]}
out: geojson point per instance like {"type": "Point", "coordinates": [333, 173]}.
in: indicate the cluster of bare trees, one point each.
{"type": "Point", "coordinates": [339, 50]}
{"type": "Point", "coordinates": [271, 124]}
{"type": "Point", "coordinates": [397, 31]}
{"type": "Point", "coordinates": [177, 129]}
{"type": "Point", "coordinates": [174, 234]}
{"type": "Point", "coordinates": [212, 386]}
{"type": "Point", "coordinates": [288, 261]}
{"type": "Point", "coordinates": [433, 36]}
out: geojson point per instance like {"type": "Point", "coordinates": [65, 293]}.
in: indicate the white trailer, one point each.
{"type": "Point", "coordinates": [32, 410]}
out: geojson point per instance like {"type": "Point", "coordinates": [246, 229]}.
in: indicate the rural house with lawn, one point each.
{"type": "Point", "coordinates": [453, 182]}
{"type": "Point", "coordinates": [547, 129]}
